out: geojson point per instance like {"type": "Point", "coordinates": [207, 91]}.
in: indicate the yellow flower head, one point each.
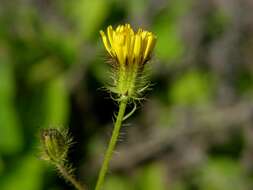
{"type": "Point", "coordinates": [130, 50]}
{"type": "Point", "coordinates": [126, 46]}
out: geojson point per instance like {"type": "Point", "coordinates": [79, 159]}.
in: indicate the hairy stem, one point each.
{"type": "Point", "coordinates": [69, 177]}
{"type": "Point", "coordinates": [112, 143]}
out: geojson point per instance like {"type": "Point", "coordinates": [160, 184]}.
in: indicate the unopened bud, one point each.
{"type": "Point", "coordinates": [55, 145]}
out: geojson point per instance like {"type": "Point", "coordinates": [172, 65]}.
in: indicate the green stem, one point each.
{"type": "Point", "coordinates": [69, 177]}
{"type": "Point", "coordinates": [112, 143]}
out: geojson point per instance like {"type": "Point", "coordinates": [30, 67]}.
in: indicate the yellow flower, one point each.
{"type": "Point", "coordinates": [130, 50]}
{"type": "Point", "coordinates": [126, 46]}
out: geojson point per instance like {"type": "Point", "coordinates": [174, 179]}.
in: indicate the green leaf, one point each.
{"type": "Point", "coordinates": [56, 102]}
{"type": "Point", "coordinates": [117, 183]}
{"type": "Point", "coordinates": [26, 175]}
{"type": "Point", "coordinates": [192, 88]}
{"type": "Point", "coordinates": [152, 177]}
{"type": "Point", "coordinates": [223, 173]}
{"type": "Point", "coordinates": [169, 43]}
{"type": "Point", "coordinates": [11, 139]}
{"type": "Point", "coordinates": [62, 45]}
{"type": "Point", "coordinates": [44, 70]}
{"type": "Point", "coordinates": [1, 166]}
{"type": "Point", "coordinates": [87, 15]}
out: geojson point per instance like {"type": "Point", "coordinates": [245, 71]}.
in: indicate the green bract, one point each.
{"type": "Point", "coordinates": [55, 144]}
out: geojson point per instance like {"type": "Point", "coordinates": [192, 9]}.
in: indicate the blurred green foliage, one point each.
{"type": "Point", "coordinates": [222, 173]}
{"type": "Point", "coordinates": [170, 44]}
{"type": "Point", "coordinates": [11, 139]}
{"type": "Point", "coordinates": [29, 170]}
{"type": "Point", "coordinates": [149, 177]}
{"type": "Point", "coordinates": [192, 88]}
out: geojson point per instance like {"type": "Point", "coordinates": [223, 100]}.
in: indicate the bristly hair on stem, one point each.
{"type": "Point", "coordinates": [55, 144]}
{"type": "Point", "coordinates": [66, 171]}
{"type": "Point", "coordinates": [129, 52]}
{"type": "Point", "coordinates": [134, 90]}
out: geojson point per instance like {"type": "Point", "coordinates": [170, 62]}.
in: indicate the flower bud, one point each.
{"type": "Point", "coordinates": [129, 51]}
{"type": "Point", "coordinates": [55, 145]}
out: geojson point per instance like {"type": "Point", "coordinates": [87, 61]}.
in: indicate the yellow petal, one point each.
{"type": "Point", "coordinates": [131, 48]}
{"type": "Point", "coordinates": [105, 41]}
{"type": "Point", "coordinates": [119, 28]}
{"type": "Point", "coordinates": [127, 26]}
{"type": "Point", "coordinates": [150, 46]}
{"type": "Point", "coordinates": [124, 43]}
{"type": "Point", "coordinates": [126, 47]}
{"type": "Point", "coordinates": [137, 47]}
{"type": "Point", "coordinates": [119, 53]}
{"type": "Point", "coordinates": [110, 34]}
{"type": "Point", "coordinates": [139, 31]}
{"type": "Point", "coordinates": [117, 47]}
{"type": "Point", "coordinates": [144, 34]}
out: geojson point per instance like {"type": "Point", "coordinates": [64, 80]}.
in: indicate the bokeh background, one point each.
{"type": "Point", "coordinates": [194, 130]}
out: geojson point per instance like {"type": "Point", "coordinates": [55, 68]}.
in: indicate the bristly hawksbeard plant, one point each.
{"type": "Point", "coordinates": [129, 51]}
